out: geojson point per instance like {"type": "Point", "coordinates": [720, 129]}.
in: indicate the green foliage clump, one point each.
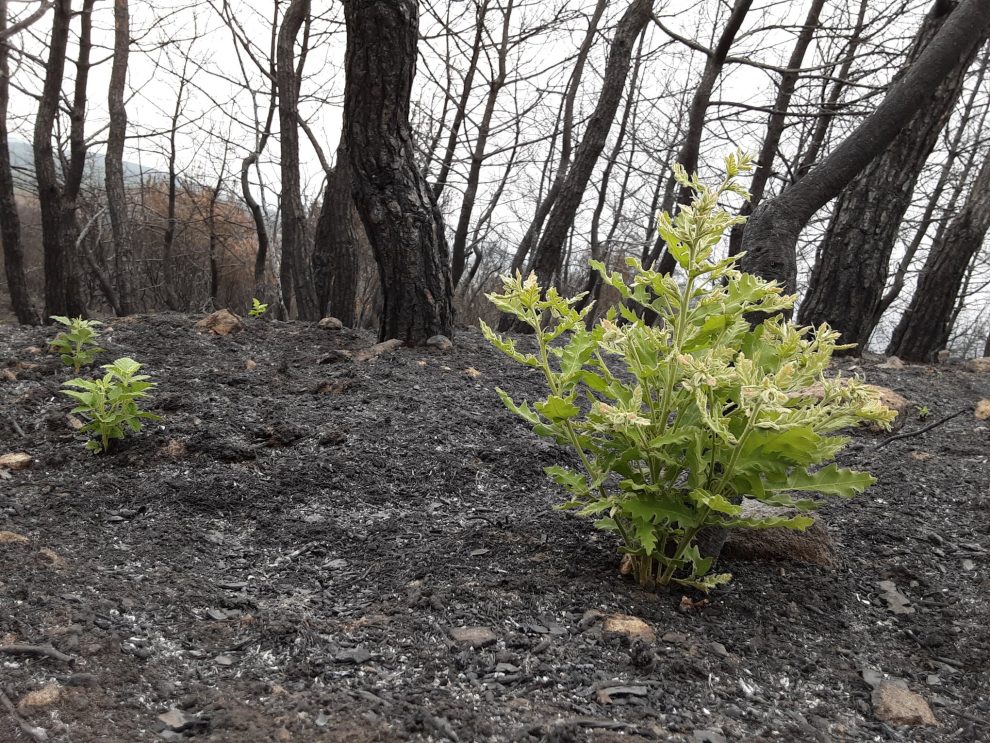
{"type": "Point", "coordinates": [675, 421]}
{"type": "Point", "coordinates": [76, 346]}
{"type": "Point", "coordinates": [257, 308]}
{"type": "Point", "coordinates": [110, 405]}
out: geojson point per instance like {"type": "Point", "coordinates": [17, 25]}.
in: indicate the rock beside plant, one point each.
{"type": "Point", "coordinates": [221, 322]}
{"type": "Point", "coordinates": [813, 545]}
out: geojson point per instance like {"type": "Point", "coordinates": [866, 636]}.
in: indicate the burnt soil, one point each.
{"type": "Point", "coordinates": [283, 558]}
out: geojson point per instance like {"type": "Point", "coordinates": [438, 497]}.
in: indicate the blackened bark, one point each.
{"type": "Point", "coordinates": [56, 202]}
{"type": "Point", "coordinates": [925, 326]}
{"type": "Point", "coordinates": [778, 117]}
{"type": "Point", "coordinates": [296, 279]}
{"type": "Point", "coordinates": [120, 223]}
{"type": "Point", "coordinates": [697, 114]}
{"type": "Point", "coordinates": [848, 281]}
{"type": "Point", "coordinates": [10, 223]}
{"type": "Point", "coordinates": [549, 251]}
{"type": "Point", "coordinates": [770, 241]}
{"type": "Point", "coordinates": [396, 204]}
{"type": "Point", "coordinates": [335, 255]}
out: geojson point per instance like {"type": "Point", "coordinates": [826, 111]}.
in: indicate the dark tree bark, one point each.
{"type": "Point", "coordinates": [697, 112]}
{"type": "Point", "coordinates": [393, 198]}
{"type": "Point", "coordinates": [771, 236]}
{"type": "Point", "coordinates": [296, 279]}
{"type": "Point", "coordinates": [848, 280]}
{"type": "Point", "coordinates": [10, 223]}
{"type": "Point", "coordinates": [335, 255]}
{"type": "Point", "coordinates": [478, 153]}
{"type": "Point", "coordinates": [114, 162]}
{"type": "Point", "coordinates": [925, 326]}
{"type": "Point", "coordinates": [549, 251]}
{"type": "Point", "coordinates": [58, 202]}
{"type": "Point", "coordinates": [775, 125]}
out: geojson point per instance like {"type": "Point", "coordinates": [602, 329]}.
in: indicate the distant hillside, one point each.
{"type": "Point", "coordinates": [22, 163]}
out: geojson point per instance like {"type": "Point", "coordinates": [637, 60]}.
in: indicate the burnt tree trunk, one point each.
{"type": "Point", "coordinates": [549, 250]}
{"type": "Point", "coordinates": [296, 280]}
{"type": "Point", "coordinates": [848, 281]}
{"type": "Point", "coordinates": [393, 198]}
{"type": "Point", "coordinates": [335, 255]}
{"type": "Point", "coordinates": [925, 326]}
{"type": "Point", "coordinates": [120, 223]}
{"type": "Point", "coordinates": [778, 118]}
{"type": "Point", "coordinates": [56, 202]}
{"type": "Point", "coordinates": [10, 223]}
{"type": "Point", "coordinates": [771, 236]}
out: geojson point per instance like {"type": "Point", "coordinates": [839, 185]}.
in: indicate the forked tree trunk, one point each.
{"type": "Point", "coordinates": [120, 223]}
{"type": "Point", "coordinates": [925, 326]}
{"type": "Point", "coordinates": [848, 281]}
{"type": "Point", "coordinates": [771, 236]}
{"type": "Point", "coordinates": [393, 198]}
{"type": "Point", "coordinates": [10, 223]}
{"type": "Point", "coordinates": [550, 249]}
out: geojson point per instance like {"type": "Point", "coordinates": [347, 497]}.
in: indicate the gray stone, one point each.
{"type": "Point", "coordinates": [440, 342]}
{"type": "Point", "coordinates": [473, 637]}
{"type": "Point", "coordinates": [898, 706]}
{"type": "Point", "coordinates": [330, 323]}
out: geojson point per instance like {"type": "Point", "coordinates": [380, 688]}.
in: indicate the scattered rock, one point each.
{"type": "Point", "coordinates": [897, 602]}
{"type": "Point", "coordinates": [921, 456]}
{"type": "Point", "coordinates": [221, 322]}
{"type": "Point", "coordinates": [250, 364]}
{"type": "Point", "coordinates": [978, 366]}
{"type": "Point", "coordinates": [176, 720]}
{"type": "Point", "coordinates": [472, 372]}
{"type": "Point", "coordinates": [9, 537]}
{"type": "Point", "coordinates": [16, 460]}
{"type": "Point", "coordinates": [74, 423]}
{"type": "Point", "coordinates": [357, 656]}
{"type": "Point", "coordinates": [606, 694]}
{"type": "Point", "coordinates": [330, 323]}
{"type": "Point", "coordinates": [440, 342]}
{"type": "Point", "coordinates": [224, 660]}
{"type": "Point", "coordinates": [983, 410]}
{"type": "Point", "coordinates": [899, 706]}
{"type": "Point", "coordinates": [707, 736]}
{"type": "Point", "coordinates": [9, 376]}
{"type": "Point", "coordinates": [366, 354]}
{"type": "Point", "coordinates": [892, 362]}
{"type": "Point", "coordinates": [813, 545]}
{"type": "Point", "coordinates": [175, 449]}
{"type": "Point", "coordinates": [627, 628]}
{"type": "Point", "coordinates": [50, 557]}
{"type": "Point", "coordinates": [473, 637]}
{"type": "Point", "coordinates": [943, 355]}
{"type": "Point", "coordinates": [39, 698]}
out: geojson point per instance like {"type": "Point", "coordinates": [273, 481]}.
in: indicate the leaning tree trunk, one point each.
{"type": "Point", "coordinates": [335, 255]}
{"type": "Point", "coordinates": [296, 279]}
{"type": "Point", "coordinates": [120, 224]}
{"type": "Point", "coordinates": [925, 326]}
{"type": "Point", "coordinates": [62, 289]}
{"type": "Point", "coordinates": [550, 249]}
{"type": "Point", "coordinates": [770, 239]}
{"type": "Point", "coordinates": [848, 281]}
{"type": "Point", "coordinates": [10, 223]}
{"type": "Point", "coordinates": [393, 198]}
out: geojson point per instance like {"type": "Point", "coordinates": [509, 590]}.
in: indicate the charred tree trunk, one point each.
{"type": "Point", "coordinates": [120, 223]}
{"type": "Point", "coordinates": [549, 251]}
{"type": "Point", "coordinates": [10, 223]}
{"type": "Point", "coordinates": [57, 202]}
{"type": "Point", "coordinates": [775, 126]}
{"type": "Point", "coordinates": [847, 282]}
{"type": "Point", "coordinates": [925, 326]}
{"type": "Point", "coordinates": [335, 255]}
{"type": "Point", "coordinates": [393, 198]}
{"type": "Point", "coordinates": [697, 112]}
{"type": "Point", "coordinates": [771, 236]}
{"type": "Point", "coordinates": [296, 280]}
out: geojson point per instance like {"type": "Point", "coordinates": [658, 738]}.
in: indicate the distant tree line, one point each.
{"type": "Point", "coordinates": [487, 136]}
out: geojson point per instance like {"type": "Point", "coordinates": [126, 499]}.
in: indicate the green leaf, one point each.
{"type": "Point", "coordinates": [557, 408]}
{"type": "Point", "coordinates": [832, 480]}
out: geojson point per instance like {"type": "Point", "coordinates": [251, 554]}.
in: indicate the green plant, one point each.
{"type": "Point", "coordinates": [675, 422]}
{"type": "Point", "coordinates": [923, 411]}
{"type": "Point", "coordinates": [77, 345]}
{"type": "Point", "coordinates": [110, 404]}
{"type": "Point", "coordinates": [257, 308]}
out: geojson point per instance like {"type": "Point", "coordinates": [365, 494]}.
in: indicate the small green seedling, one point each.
{"type": "Point", "coordinates": [923, 411]}
{"type": "Point", "coordinates": [110, 405]}
{"type": "Point", "coordinates": [257, 308]}
{"type": "Point", "coordinates": [77, 345]}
